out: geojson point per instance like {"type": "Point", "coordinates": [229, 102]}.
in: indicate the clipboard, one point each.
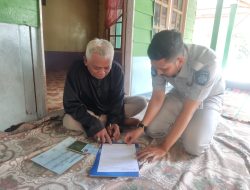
{"type": "Point", "coordinates": [95, 173]}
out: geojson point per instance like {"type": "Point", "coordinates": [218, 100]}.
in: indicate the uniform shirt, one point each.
{"type": "Point", "coordinates": [198, 79]}
{"type": "Point", "coordinates": [83, 92]}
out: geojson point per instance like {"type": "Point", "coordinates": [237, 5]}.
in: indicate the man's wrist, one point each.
{"type": "Point", "coordinates": [141, 125]}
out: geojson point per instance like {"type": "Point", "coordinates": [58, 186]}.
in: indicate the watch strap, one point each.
{"type": "Point", "coordinates": [141, 125]}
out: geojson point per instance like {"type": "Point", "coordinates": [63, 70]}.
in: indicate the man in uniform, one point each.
{"type": "Point", "coordinates": [190, 111]}
{"type": "Point", "coordinates": [94, 95]}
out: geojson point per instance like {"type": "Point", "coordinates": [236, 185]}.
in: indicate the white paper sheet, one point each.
{"type": "Point", "coordinates": [118, 158]}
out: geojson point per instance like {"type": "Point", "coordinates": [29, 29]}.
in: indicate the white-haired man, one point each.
{"type": "Point", "coordinates": [94, 95]}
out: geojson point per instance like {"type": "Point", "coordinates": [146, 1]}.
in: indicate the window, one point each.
{"type": "Point", "coordinates": [115, 34]}
{"type": "Point", "coordinates": [114, 21]}
{"type": "Point", "coordinates": [169, 14]}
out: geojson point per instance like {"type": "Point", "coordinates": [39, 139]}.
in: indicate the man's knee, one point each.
{"type": "Point", "coordinates": [134, 105]}
{"type": "Point", "coordinates": [70, 123]}
{"type": "Point", "coordinates": [195, 146]}
{"type": "Point", "coordinates": [200, 131]}
{"type": "Point", "coordinates": [141, 102]}
{"type": "Point", "coordinates": [154, 133]}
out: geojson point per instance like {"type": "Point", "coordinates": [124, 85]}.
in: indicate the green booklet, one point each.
{"type": "Point", "coordinates": [78, 146]}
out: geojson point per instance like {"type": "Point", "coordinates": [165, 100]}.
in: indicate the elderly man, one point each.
{"type": "Point", "coordinates": [190, 111]}
{"type": "Point", "coordinates": [94, 95]}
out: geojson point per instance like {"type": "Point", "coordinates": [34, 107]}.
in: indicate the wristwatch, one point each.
{"type": "Point", "coordinates": [141, 125]}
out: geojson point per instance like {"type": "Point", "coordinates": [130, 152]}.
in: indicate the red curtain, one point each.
{"type": "Point", "coordinates": [112, 15]}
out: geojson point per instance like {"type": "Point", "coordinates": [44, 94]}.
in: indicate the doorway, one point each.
{"type": "Point", "coordinates": [67, 28]}
{"type": "Point", "coordinates": [233, 42]}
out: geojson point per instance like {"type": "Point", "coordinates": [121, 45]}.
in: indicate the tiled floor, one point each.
{"type": "Point", "coordinates": [55, 86]}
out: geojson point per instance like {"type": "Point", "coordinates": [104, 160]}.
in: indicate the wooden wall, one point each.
{"type": "Point", "coordinates": [19, 12]}
{"type": "Point", "coordinates": [190, 19]}
{"type": "Point", "coordinates": [142, 35]}
{"type": "Point", "coordinates": [143, 23]}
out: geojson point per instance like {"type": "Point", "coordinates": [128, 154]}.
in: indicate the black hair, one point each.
{"type": "Point", "coordinates": [165, 44]}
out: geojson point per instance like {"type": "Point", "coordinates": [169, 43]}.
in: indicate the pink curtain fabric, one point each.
{"type": "Point", "coordinates": [112, 14]}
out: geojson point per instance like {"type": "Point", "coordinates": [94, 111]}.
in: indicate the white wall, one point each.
{"type": "Point", "coordinates": [17, 89]}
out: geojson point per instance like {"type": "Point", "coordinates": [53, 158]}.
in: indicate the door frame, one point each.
{"type": "Point", "coordinates": [39, 59]}
{"type": "Point", "coordinates": [128, 45]}
{"type": "Point", "coordinates": [37, 43]}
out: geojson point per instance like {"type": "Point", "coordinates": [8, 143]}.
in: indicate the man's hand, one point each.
{"type": "Point", "coordinates": [151, 153]}
{"type": "Point", "coordinates": [114, 131]}
{"type": "Point", "coordinates": [102, 136]}
{"type": "Point", "coordinates": [131, 136]}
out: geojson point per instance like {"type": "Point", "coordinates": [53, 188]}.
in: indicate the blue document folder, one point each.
{"type": "Point", "coordinates": [95, 173]}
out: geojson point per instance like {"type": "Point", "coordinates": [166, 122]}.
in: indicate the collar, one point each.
{"type": "Point", "coordinates": [184, 69]}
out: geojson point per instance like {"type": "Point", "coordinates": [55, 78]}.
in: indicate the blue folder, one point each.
{"type": "Point", "coordinates": [94, 170]}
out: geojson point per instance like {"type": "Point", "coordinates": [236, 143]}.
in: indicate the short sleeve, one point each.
{"type": "Point", "coordinates": [158, 81]}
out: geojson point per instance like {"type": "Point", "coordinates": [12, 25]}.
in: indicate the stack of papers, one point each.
{"type": "Point", "coordinates": [116, 160]}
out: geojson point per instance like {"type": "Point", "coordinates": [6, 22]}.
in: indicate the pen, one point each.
{"type": "Point", "coordinates": [110, 130]}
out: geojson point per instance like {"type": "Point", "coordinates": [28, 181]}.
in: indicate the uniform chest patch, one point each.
{"type": "Point", "coordinates": [201, 77]}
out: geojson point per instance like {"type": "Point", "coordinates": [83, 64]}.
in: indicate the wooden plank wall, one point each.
{"type": "Point", "coordinates": [143, 23]}
{"type": "Point", "coordinates": [20, 12]}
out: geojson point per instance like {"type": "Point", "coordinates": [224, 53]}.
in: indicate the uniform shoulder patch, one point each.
{"type": "Point", "coordinates": [153, 72]}
{"type": "Point", "coordinates": [201, 77]}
